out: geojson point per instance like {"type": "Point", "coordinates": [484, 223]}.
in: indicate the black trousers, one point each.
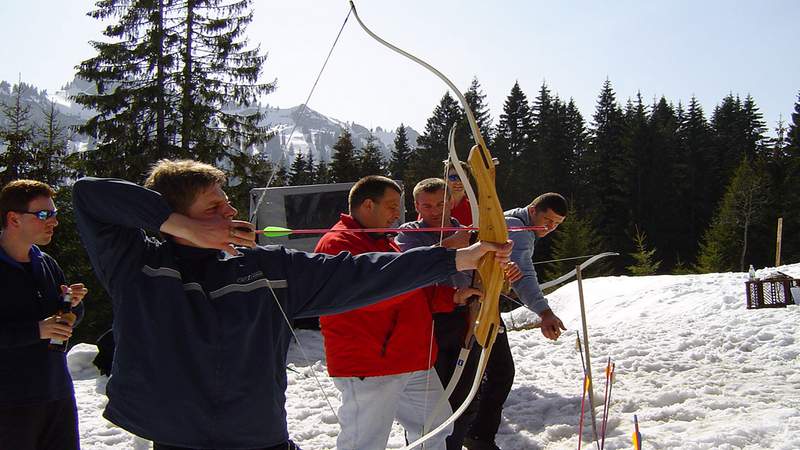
{"type": "Point", "coordinates": [497, 381]}
{"type": "Point", "coordinates": [285, 446]}
{"type": "Point", "coordinates": [43, 426]}
{"type": "Point", "coordinates": [449, 330]}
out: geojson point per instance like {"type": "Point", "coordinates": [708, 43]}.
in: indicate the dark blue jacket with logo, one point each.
{"type": "Point", "coordinates": [201, 342]}
{"type": "Point", "coordinates": [29, 372]}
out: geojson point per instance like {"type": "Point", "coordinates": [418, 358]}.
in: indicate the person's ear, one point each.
{"type": "Point", "coordinates": [12, 218]}
{"type": "Point", "coordinates": [368, 205]}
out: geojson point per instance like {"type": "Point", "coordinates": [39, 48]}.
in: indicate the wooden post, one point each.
{"type": "Point", "coordinates": [778, 242]}
{"type": "Point", "coordinates": [586, 350]}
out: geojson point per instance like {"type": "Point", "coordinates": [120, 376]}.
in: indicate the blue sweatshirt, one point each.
{"type": "Point", "coordinates": [527, 287]}
{"type": "Point", "coordinates": [30, 373]}
{"type": "Point", "coordinates": [201, 342]}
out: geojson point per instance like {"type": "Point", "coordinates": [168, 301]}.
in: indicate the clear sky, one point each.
{"type": "Point", "coordinates": [676, 49]}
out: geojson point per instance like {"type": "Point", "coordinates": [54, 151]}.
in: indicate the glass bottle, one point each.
{"type": "Point", "coordinates": [65, 316]}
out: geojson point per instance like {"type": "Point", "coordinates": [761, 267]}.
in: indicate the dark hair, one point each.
{"type": "Point", "coordinates": [371, 187]}
{"type": "Point", "coordinates": [552, 201]}
{"type": "Point", "coordinates": [181, 181]}
{"type": "Point", "coordinates": [429, 185]}
{"type": "Point", "coordinates": [17, 194]}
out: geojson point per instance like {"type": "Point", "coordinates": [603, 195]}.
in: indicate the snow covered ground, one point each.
{"type": "Point", "coordinates": [699, 370]}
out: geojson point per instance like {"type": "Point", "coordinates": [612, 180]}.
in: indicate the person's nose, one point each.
{"type": "Point", "coordinates": [230, 211]}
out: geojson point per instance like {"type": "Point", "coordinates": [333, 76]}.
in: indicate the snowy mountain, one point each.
{"type": "Point", "coordinates": [38, 101]}
{"type": "Point", "coordinates": [698, 369]}
{"type": "Point", "coordinates": [314, 133]}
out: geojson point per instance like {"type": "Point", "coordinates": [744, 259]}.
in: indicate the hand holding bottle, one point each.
{"type": "Point", "coordinates": [54, 328]}
{"type": "Point", "coordinates": [77, 291]}
{"type": "Point", "coordinates": [63, 318]}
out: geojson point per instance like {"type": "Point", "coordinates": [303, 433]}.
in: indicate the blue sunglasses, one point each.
{"type": "Point", "coordinates": [41, 215]}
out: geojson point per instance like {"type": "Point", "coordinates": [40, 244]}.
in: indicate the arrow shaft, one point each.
{"type": "Point", "coordinates": [394, 230]}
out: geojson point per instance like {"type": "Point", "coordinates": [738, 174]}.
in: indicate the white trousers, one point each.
{"type": "Point", "coordinates": [369, 407]}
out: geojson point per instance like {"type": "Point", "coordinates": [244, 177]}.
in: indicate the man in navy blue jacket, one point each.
{"type": "Point", "coordinates": [37, 403]}
{"type": "Point", "coordinates": [201, 339]}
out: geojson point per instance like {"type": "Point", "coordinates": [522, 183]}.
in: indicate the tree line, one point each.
{"type": "Point", "coordinates": [672, 189]}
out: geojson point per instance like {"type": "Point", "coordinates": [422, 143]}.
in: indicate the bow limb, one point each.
{"type": "Point", "coordinates": [573, 272]}
{"type": "Point", "coordinates": [463, 354]}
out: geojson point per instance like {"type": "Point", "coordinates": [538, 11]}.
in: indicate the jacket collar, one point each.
{"type": "Point", "coordinates": [34, 254]}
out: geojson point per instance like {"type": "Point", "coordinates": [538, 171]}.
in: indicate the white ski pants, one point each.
{"type": "Point", "coordinates": [369, 407]}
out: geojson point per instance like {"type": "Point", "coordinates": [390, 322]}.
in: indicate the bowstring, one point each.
{"type": "Point", "coordinates": [254, 217]}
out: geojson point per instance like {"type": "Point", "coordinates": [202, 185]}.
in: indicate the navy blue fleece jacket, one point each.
{"type": "Point", "coordinates": [29, 372]}
{"type": "Point", "coordinates": [201, 343]}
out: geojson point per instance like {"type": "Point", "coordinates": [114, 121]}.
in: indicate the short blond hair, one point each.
{"type": "Point", "coordinates": [181, 181]}
{"type": "Point", "coordinates": [17, 194]}
{"type": "Point", "coordinates": [429, 185]}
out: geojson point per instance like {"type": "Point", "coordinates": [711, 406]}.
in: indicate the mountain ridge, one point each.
{"type": "Point", "coordinates": [315, 133]}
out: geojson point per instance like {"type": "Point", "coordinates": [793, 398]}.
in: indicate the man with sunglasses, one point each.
{"type": "Point", "coordinates": [37, 402]}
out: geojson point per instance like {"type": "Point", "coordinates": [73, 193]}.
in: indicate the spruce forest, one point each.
{"type": "Point", "coordinates": [671, 187]}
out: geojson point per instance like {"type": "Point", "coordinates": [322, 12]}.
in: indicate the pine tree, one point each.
{"type": "Point", "coordinates": [667, 179]}
{"type": "Point", "coordinates": [779, 186]}
{"type": "Point", "coordinates": [426, 161]}
{"type": "Point", "coordinates": [513, 147]}
{"type": "Point", "coordinates": [323, 173]}
{"type": "Point", "coordinates": [344, 166]}
{"type": "Point", "coordinates": [726, 243]}
{"type": "Point", "coordinates": [219, 72]}
{"type": "Point", "coordinates": [50, 148]}
{"type": "Point", "coordinates": [754, 128]}
{"type": "Point", "coordinates": [607, 168]}
{"type": "Point", "coordinates": [637, 141]}
{"type": "Point", "coordinates": [729, 143]}
{"type": "Point", "coordinates": [575, 139]}
{"type": "Point", "coordinates": [542, 159]}
{"type": "Point", "coordinates": [281, 177]}
{"type": "Point", "coordinates": [476, 100]}
{"type": "Point", "coordinates": [644, 257]}
{"type": "Point", "coordinates": [694, 134]}
{"type": "Point", "coordinates": [18, 136]}
{"type": "Point", "coordinates": [793, 133]}
{"type": "Point", "coordinates": [401, 154]}
{"type": "Point", "coordinates": [577, 236]}
{"type": "Point", "coordinates": [175, 80]}
{"type": "Point", "coordinates": [135, 77]}
{"type": "Point", "coordinates": [298, 172]}
{"type": "Point", "coordinates": [555, 147]}
{"type": "Point", "coordinates": [370, 160]}
{"type": "Point", "coordinates": [791, 200]}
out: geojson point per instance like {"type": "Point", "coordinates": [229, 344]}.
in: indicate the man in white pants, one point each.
{"type": "Point", "coordinates": [381, 356]}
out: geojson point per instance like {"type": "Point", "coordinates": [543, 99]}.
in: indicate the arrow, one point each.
{"type": "Point", "coordinates": [274, 232]}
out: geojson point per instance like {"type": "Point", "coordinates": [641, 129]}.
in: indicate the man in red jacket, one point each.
{"type": "Point", "coordinates": [381, 356]}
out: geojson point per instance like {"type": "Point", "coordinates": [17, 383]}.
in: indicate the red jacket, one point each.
{"type": "Point", "coordinates": [389, 337]}
{"type": "Point", "coordinates": [462, 212]}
